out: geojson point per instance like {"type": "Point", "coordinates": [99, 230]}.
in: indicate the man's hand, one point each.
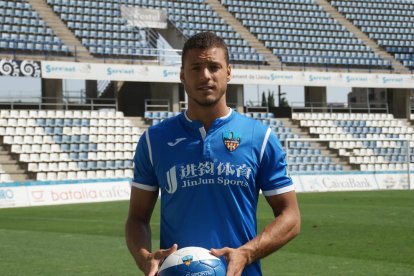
{"type": "Point", "coordinates": [154, 259]}
{"type": "Point", "coordinates": [236, 259]}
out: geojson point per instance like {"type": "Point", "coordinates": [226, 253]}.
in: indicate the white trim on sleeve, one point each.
{"type": "Point", "coordinates": [266, 138]}
{"type": "Point", "coordinates": [280, 191]}
{"type": "Point", "coordinates": [144, 187]}
{"type": "Point", "coordinates": [149, 146]}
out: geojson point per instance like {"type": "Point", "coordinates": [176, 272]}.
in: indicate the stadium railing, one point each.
{"type": "Point", "coordinates": [65, 103]}
{"type": "Point", "coordinates": [367, 107]}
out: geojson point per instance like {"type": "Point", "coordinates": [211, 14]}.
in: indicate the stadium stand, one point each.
{"type": "Point", "coordinates": [70, 144]}
{"type": "Point", "coordinates": [389, 23]}
{"type": "Point", "coordinates": [385, 138]}
{"type": "Point", "coordinates": [299, 33]}
{"type": "Point", "coordinates": [74, 144]}
{"type": "Point", "coordinates": [103, 31]}
{"type": "Point", "coordinates": [155, 117]}
{"type": "Point", "coordinates": [100, 28]}
{"type": "Point", "coordinates": [275, 124]}
{"type": "Point", "coordinates": [22, 29]}
{"type": "Point", "coordinates": [303, 157]}
{"type": "Point", "coordinates": [302, 33]}
{"type": "Point", "coordinates": [191, 17]}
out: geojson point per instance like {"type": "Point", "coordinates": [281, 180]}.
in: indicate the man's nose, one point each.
{"type": "Point", "coordinates": [206, 74]}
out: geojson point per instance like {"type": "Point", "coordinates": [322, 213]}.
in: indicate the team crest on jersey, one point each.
{"type": "Point", "coordinates": [231, 140]}
{"type": "Point", "coordinates": [187, 260]}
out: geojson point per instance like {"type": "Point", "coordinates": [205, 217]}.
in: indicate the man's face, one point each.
{"type": "Point", "coordinates": [205, 74]}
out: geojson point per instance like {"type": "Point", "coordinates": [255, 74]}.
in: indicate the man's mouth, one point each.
{"type": "Point", "coordinates": [206, 87]}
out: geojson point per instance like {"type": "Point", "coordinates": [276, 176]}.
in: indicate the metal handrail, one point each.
{"type": "Point", "coordinates": [157, 105]}
{"type": "Point", "coordinates": [331, 107]}
{"type": "Point", "coordinates": [65, 103]}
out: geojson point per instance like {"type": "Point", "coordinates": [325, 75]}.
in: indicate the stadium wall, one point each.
{"type": "Point", "coordinates": [68, 192]}
{"type": "Point", "coordinates": [154, 73]}
{"type": "Point", "coordinates": [38, 193]}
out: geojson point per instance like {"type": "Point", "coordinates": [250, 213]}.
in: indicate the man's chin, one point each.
{"type": "Point", "coordinates": [206, 102]}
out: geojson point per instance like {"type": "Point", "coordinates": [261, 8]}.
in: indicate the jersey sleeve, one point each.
{"type": "Point", "coordinates": [144, 175]}
{"type": "Point", "coordinates": [272, 177]}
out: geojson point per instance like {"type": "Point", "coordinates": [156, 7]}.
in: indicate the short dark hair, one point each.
{"type": "Point", "coordinates": [204, 40]}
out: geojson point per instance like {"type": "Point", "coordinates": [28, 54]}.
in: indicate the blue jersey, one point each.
{"type": "Point", "coordinates": [210, 182]}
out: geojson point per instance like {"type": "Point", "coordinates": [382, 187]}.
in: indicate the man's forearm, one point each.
{"type": "Point", "coordinates": [138, 239]}
{"type": "Point", "coordinates": [280, 231]}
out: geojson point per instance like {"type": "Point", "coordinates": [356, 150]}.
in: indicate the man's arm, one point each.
{"type": "Point", "coordinates": [138, 231]}
{"type": "Point", "coordinates": [281, 230]}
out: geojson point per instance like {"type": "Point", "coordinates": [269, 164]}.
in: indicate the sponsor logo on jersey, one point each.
{"type": "Point", "coordinates": [207, 173]}
{"type": "Point", "coordinates": [231, 140]}
{"type": "Point", "coordinates": [178, 140]}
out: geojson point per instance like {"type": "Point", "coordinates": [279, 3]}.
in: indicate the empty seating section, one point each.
{"type": "Point", "coordinates": [368, 141]}
{"type": "Point", "coordinates": [60, 145]}
{"type": "Point", "coordinates": [100, 28]}
{"type": "Point", "coordinates": [302, 157]}
{"type": "Point", "coordinates": [276, 125]}
{"type": "Point", "coordinates": [191, 17]}
{"type": "Point", "coordinates": [22, 29]}
{"type": "Point", "coordinates": [302, 33]}
{"type": "Point", "coordinates": [155, 117]}
{"type": "Point", "coordinates": [389, 23]}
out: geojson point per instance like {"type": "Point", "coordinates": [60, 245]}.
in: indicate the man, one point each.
{"type": "Point", "coordinates": [210, 164]}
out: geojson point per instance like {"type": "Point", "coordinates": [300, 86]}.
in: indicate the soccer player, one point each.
{"type": "Point", "coordinates": [209, 164]}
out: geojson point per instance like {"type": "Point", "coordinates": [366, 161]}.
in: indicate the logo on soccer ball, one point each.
{"type": "Point", "coordinates": [187, 259]}
{"type": "Point", "coordinates": [231, 140]}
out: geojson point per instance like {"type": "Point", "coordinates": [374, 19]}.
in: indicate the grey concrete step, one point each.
{"type": "Point", "coordinates": [19, 177]}
{"type": "Point", "coordinates": [61, 30]}
{"type": "Point", "coordinates": [11, 166]}
{"type": "Point", "coordinates": [273, 61]}
{"type": "Point", "coordinates": [399, 68]}
{"type": "Point", "coordinates": [322, 146]}
{"type": "Point", "coordinates": [138, 122]}
{"type": "Point", "coordinates": [5, 157]}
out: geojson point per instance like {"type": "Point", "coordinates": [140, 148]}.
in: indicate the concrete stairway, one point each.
{"type": "Point", "coordinates": [322, 146]}
{"type": "Point", "coordinates": [61, 30]}
{"type": "Point", "coordinates": [398, 67]}
{"type": "Point", "coordinates": [139, 122]}
{"type": "Point", "coordinates": [11, 166]}
{"type": "Point", "coordinates": [274, 62]}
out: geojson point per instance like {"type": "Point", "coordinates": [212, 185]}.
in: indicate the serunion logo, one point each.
{"type": "Point", "coordinates": [231, 140]}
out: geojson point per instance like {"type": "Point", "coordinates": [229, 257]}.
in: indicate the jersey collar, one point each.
{"type": "Point", "coordinates": [197, 125]}
{"type": "Point", "coordinates": [221, 118]}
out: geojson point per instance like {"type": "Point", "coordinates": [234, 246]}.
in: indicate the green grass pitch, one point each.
{"type": "Point", "coordinates": [348, 233]}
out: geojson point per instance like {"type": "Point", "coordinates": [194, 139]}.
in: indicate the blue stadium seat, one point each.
{"type": "Point", "coordinates": [379, 25]}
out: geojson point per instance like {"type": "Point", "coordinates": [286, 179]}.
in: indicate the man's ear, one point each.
{"type": "Point", "coordinates": [228, 73]}
{"type": "Point", "coordinates": [182, 75]}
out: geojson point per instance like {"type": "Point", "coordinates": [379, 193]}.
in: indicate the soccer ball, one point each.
{"type": "Point", "coordinates": [192, 261]}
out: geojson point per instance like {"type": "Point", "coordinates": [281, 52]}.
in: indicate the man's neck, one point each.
{"type": "Point", "coordinates": [207, 114]}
